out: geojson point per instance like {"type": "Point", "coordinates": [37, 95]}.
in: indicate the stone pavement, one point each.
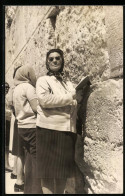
{"type": "Point", "coordinates": [9, 183]}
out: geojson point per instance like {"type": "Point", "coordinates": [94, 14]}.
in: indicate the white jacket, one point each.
{"type": "Point", "coordinates": [56, 108]}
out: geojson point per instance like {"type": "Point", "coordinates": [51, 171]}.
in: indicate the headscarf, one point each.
{"type": "Point", "coordinates": [25, 74]}
{"type": "Point", "coordinates": [59, 74]}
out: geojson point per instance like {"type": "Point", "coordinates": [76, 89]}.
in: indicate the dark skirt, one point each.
{"type": "Point", "coordinates": [15, 139]}
{"type": "Point", "coordinates": [55, 152]}
{"type": "Point", "coordinates": [27, 141]}
{"type": "Point", "coordinates": [7, 133]}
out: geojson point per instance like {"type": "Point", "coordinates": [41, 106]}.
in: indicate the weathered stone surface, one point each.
{"type": "Point", "coordinates": [31, 35]}
{"type": "Point", "coordinates": [103, 154]}
{"type": "Point", "coordinates": [81, 33]}
{"type": "Point", "coordinates": [35, 52]}
{"type": "Point", "coordinates": [114, 34]}
{"type": "Point", "coordinates": [10, 12]}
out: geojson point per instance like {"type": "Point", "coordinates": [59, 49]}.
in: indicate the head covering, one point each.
{"type": "Point", "coordinates": [25, 74]}
{"type": "Point", "coordinates": [15, 69]}
{"type": "Point", "coordinates": [60, 73]}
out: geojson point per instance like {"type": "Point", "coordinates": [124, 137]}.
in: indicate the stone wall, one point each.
{"type": "Point", "coordinates": [103, 144]}
{"type": "Point", "coordinates": [28, 39]}
{"type": "Point", "coordinates": [114, 36]}
{"type": "Point", "coordinates": [81, 33]}
{"type": "Point", "coordinates": [92, 40]}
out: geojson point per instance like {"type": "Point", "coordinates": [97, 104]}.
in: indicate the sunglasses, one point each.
{"type": "Point", "coordinates": [52, 58]}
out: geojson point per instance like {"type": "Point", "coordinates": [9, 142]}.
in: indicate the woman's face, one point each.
{"type": "Point", "coordinates": [6, 88]}
{"type": "Point", "coordinates": [54, 61]}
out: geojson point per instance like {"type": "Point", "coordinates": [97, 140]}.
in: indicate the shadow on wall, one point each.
{"type": "Point", "coordinates": [80, 124]}
{"type": "Point", "coordinates": [79, 149]}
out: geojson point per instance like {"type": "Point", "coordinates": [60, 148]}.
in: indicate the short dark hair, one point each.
{"type": "Point", "coordinates": [6, 83]}
{"type": "Point", "coordinates": [61, 54]}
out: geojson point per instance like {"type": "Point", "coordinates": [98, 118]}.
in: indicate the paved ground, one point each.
{"type": "Point", "coordinates": [9, 183]}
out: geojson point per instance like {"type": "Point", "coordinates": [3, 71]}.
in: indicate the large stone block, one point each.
{"type": "Point", "coordinates": [35, 51]}
{"type": "Point", "coordinates": [31, 36]}
{"type": "Point", "coordinates": [114, 32]}
{"type": "Point", "coordinates": [81, 33]}
{"type": "Point", "coordinates": [103, 144]}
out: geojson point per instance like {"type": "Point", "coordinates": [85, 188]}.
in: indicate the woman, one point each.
{"type": "Point", "coordinates": [25, 104]}
{"type": "Point", "coordinates": [15, 133]}
{"type": "Point", "coordinates": [7, 128]}
{"type": "Point", "coordinates": [56, 126]}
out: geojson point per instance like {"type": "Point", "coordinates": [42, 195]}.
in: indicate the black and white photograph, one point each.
{"type": "Point", "coordinates": [63, 99]}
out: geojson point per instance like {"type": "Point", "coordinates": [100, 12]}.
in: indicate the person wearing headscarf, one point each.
{"type": "Point", "coordinates": [13, 128]}
{"type": "Point", "coordinates": [25, 105]}
{"type": "Point", "coordinates": [16, 160]}
{"type": "Point", "coordinates": [7, 128]}
{"type": "Point", "coordinates": [56, 126]}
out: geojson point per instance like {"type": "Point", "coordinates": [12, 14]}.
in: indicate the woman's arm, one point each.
{"type": "Point", "coordinates": [33, 104]}
{"type": "Point", "coordinates": [9, 97]}
{"type": "Point", "coordinates": [32, 97]}
{"type": "Point", "coordinates": [47, 99]}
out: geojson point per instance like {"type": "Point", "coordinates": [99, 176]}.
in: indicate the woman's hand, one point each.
{"type": "Point", "coordinates": [78, 95]}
